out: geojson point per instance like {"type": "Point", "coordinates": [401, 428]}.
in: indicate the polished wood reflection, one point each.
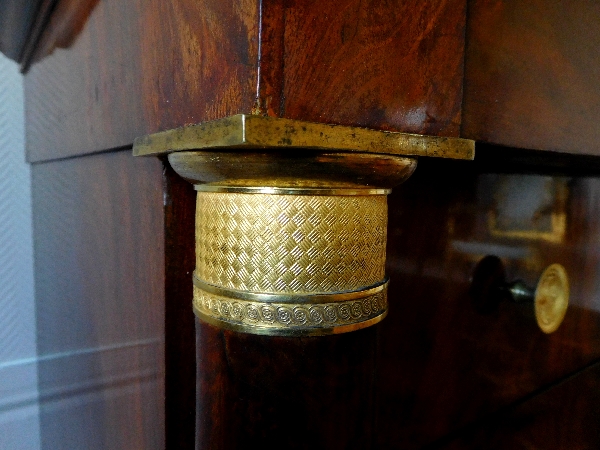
{"type": "Point", "coordinates": [563, 417]}
{"type": "Point", "coordinates": [437, 371]}
{"type": "Point", "coordinates": [464, 364]}
{"type": "Point", "coordinates": [281, 392]}
{"type": "Point", "coordinates": [395, 65]}
{"type": "Point", "coordinates": [107, 72]}
{"type": "Point", "coordinates": [531, 74]}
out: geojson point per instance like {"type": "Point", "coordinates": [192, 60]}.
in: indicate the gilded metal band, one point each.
{"type": "Point", "coordinates": [290, 191]}
{"type": "Point", "coordinates": [290, 264]}
{"type": "Point", "coordinates": [290, 244]}
{"type": "Point", "coordinates": [306, 298]}
{"type": "Point", "coordinates": [295, 319]}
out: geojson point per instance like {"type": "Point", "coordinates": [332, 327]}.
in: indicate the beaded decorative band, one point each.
{"type": "Point", "coordinates": [304, 317]}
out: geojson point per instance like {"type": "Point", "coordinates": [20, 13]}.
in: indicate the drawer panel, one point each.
{"type": "Point", "coordinates": [443, 364]}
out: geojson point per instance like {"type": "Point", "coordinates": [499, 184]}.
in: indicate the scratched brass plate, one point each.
{"type": "Point", "coordinates": [551, 298]}
{"type": "Point", "coordinates": [260, 132]}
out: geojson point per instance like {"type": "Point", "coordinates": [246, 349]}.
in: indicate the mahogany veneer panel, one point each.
{"type": "Point", "coordinates": [564, 417]}
{"type": "Point", "coordinates": [278, 392]}
{"type": "Point", "coordinates": [180, 351]}
{"type": "Point", "coordinates": [107, 72]}
{"type": "Point", "coordinates": [531, 75]}
{"type": "Point", "coordinates": [443, 365]}
{"type": "Point", "coordinates": [99, 275]}
{"type": "Point", "coordinates": [393, 65]}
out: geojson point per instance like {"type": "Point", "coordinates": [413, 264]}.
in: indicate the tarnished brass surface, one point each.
{"type": "Point", "coordinates": [278, 330]}
{"type": "Point", "coordinates": [551, 298]}
{"type": "Point", "coordinates": [334, 191]}
{"type": "Point", "coordinates": [277, 134]}
{"type": "Point", "coordinates": [277, 169]}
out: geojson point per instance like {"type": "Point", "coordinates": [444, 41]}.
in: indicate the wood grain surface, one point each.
{"type": "Point", "coordinates": [132, 69]}
{"type": "Point", "coordinates": [107, 72]}
{"type": "Point", "coordinates": [563, 417]}
{"type": "Point", "coordinates": [531, 76]}
{"type": "Point", "coordinates": [443, 364]}
{"type": "Point", "coordinates": [393, 65]}
{"type": "Point", "coordinates": [180, 351]}
{"type": "Point", "coordinates": [99, 271]}
{"type": "Point", "coordinates": [293, 393]}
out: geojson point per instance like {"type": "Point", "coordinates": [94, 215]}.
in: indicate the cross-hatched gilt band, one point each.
{"type": "Point", "coordinates": [305, 245]}
{"type": "Point", "coordinates": [290, 243]}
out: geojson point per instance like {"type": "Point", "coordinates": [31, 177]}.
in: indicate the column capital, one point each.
{"type": "Point", "coordinates": [291, 218]}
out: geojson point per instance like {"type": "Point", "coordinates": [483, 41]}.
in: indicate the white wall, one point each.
{"type": "Point", "coordinates": [19, 410]}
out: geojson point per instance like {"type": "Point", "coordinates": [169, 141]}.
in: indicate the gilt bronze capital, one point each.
{"type": "Point", "coordinates": [291, 218]}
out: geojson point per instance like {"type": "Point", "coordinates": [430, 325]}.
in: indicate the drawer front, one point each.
{"type": "Point", "coordinates": [443, 364]}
